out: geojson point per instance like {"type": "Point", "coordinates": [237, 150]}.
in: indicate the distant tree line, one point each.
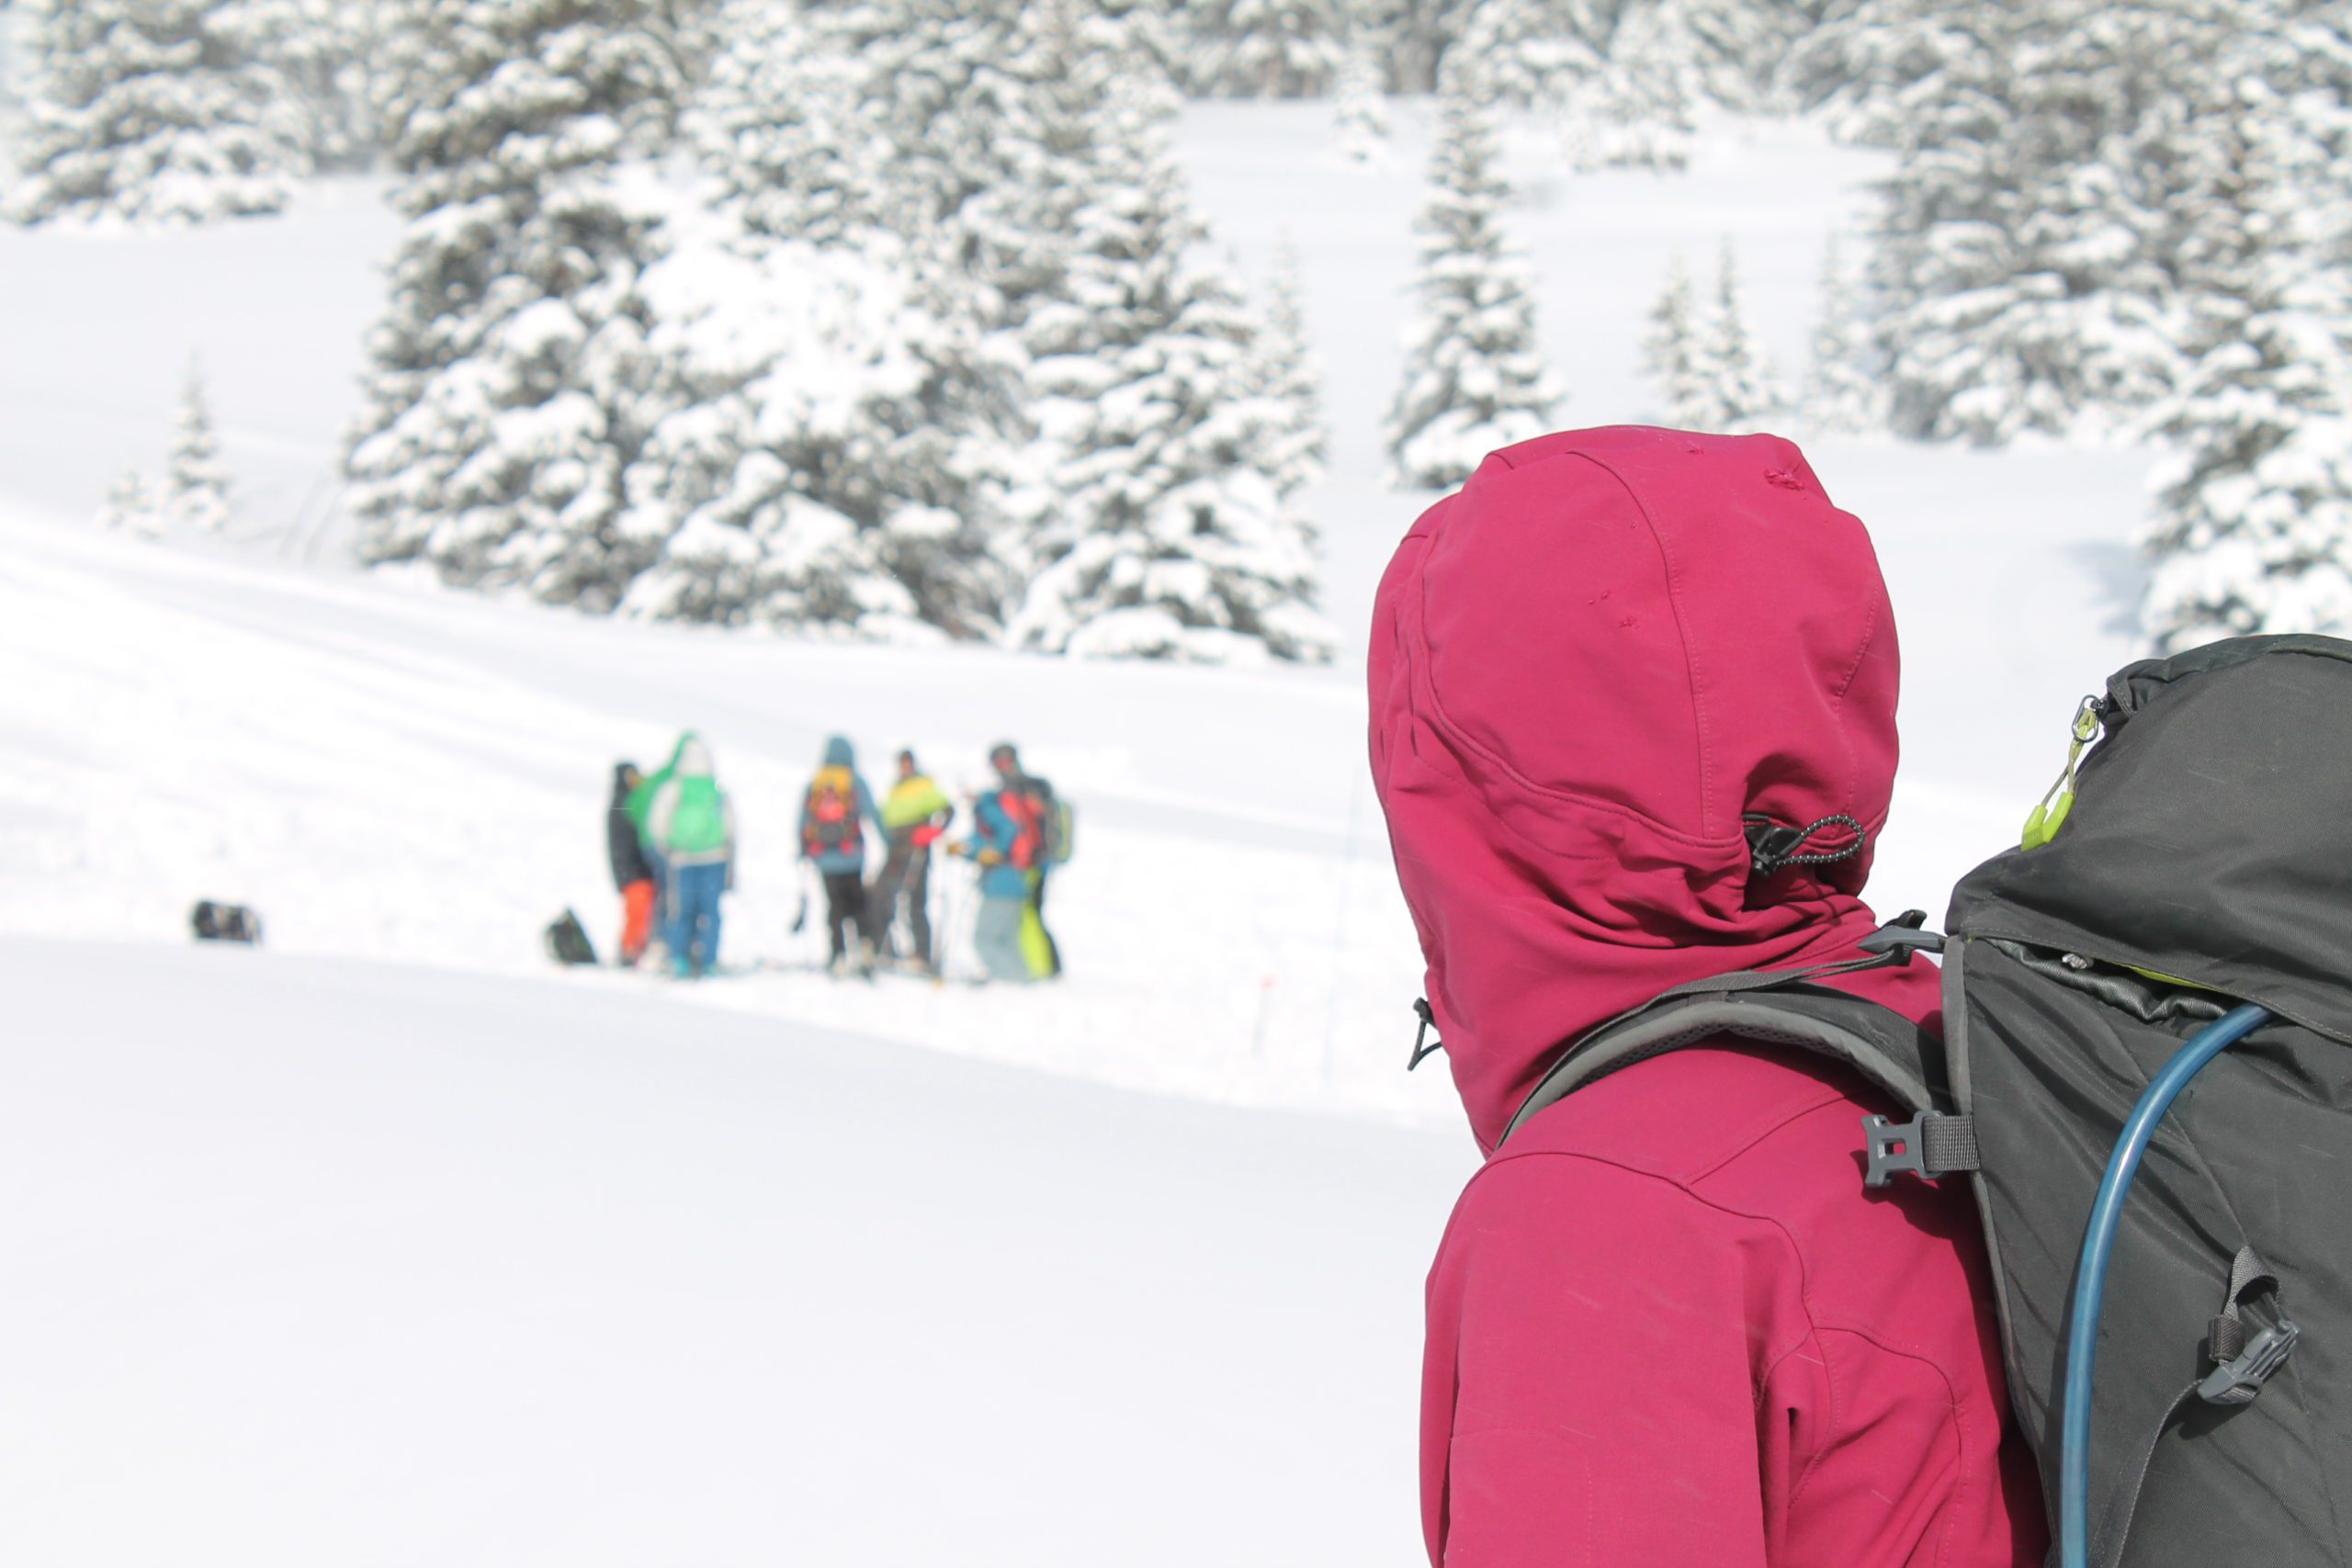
{"type": "Point", "coordinates": [894, 317]}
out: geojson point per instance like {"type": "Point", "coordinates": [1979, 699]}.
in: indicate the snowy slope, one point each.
{"type": "Point", "coordinates": [314, 1262]}
{"type": "Point", "coordinates": [403, 774]}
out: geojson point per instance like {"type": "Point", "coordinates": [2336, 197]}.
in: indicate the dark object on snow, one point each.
{"type": "Point", "coordinates": [568, 942]}
{"type": "Point", "coordinates": [214, 921]}
{"type": "Point", "coordinates": [2203, 863]}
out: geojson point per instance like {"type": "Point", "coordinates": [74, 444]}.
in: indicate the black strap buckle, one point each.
{"type": "Point", "coordinates": [1926, 1146]}
{"type": "Point", "coordinates": [2237, 1381]}
{"type": "Point", "coordinates": [1903, 936]}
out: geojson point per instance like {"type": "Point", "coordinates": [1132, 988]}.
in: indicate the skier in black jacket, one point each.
{"type": "Point", "coordinates": [632, 873]}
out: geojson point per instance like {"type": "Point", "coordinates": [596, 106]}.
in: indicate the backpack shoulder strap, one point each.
{"type": "Point", "coordinates": [1785, 1008]}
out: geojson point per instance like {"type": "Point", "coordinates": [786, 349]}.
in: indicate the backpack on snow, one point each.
{"type": "Point", "coordinates": [2200, 859]}
{"type": "Point", "coordinates": [568, 943]}
{"type": "Point", "coordinates": [214, 921]}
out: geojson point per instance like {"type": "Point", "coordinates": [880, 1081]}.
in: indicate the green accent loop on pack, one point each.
{"type": "Point", "coordinates": [2042, 823]}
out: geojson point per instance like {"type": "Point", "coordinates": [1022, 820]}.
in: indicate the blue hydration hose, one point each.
{"type": "Point", "coordinates": [2090, 1273]}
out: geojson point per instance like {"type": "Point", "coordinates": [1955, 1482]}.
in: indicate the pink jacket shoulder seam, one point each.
{"type": "Point", "coordinates": [1796, 1254]}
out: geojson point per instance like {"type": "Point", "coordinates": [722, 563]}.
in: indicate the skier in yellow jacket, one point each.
{"type": "Point", "coordinates": [914, 816]}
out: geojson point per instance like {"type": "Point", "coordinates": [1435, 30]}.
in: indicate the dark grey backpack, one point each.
{"type": "Point", "coordinates": [566, 942]}
{"type": "Point", "coordinates": [2200, 884]}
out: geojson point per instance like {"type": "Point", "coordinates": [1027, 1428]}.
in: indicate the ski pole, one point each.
{"type": "Point", "coordinates": [945, 945]}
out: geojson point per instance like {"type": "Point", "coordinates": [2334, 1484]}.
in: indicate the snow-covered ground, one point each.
{"type": "Point", "coordinates": [392, 1244]}
{"type": "Point", "coordinates": [323, 1262]}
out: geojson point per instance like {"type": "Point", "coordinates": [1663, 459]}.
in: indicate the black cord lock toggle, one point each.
{"type": "Point", "coordinates": [1422, 1052]}
{"type": "Point", "coordinates": [1773, 847]}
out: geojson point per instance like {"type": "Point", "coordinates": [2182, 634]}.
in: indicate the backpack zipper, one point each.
{"type": "Point", "coordinates": [2042, 823]}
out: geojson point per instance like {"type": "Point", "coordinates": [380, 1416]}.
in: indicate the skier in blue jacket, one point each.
{"type": "Point", "coordinates": [1004, 888]}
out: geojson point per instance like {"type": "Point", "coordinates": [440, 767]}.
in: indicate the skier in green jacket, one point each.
{"type": "Point", "coordinates": [691, 825]}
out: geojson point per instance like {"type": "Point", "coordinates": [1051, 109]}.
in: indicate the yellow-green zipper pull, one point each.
{"type": "Point", "coordinates": [2042, 824]}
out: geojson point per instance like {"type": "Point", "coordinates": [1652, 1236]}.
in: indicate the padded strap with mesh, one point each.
{"type": "Point", "coordinates": [1782, 1007]}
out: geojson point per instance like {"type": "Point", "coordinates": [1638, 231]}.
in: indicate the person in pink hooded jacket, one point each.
{"type": "Point", "coordinates": [1668, 1325]}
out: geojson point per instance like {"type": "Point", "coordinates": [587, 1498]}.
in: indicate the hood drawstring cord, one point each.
{"type": "Point", "coordinates": [1421, 1052]}
{"type": "Point", "coordinates": [1773, 846]}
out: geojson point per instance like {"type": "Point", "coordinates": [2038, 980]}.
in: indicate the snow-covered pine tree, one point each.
{"type": "Point", "coordinates": [777, 123]}
{"type": "Point", "coordinates": [1840, 396]}
{"type": "Point", "coordinates": [1289, 378]}
{"type": "Point", "coordinates": [1537, 53]}
{"type": "Point", "coordinates": [1721, 52]}
{"type": "Point", "coordinates": [825, 467]}
{"type": "Point", "coordinates": [1411, 36]}
{"type": "Point", "coordinates": [325, 51]}
{"type": "Point", "coordinates": [2021, 263]}
{"type": "Point", "coordinates": [700, 31]}
{"type": "Point", "coordinates": [938, 83]}
{"type": "Point", "coordinates": [1672, 349]}
{"type": "Point", "coordinates": [196, 486]}
{"type": "Point", "coordinates": [505, 396]}
{"type": "Point", "coordinates": [1148, 35]}
{"type": "Point", "coordinates": [165, 111]}
{"type": "Point", "coordinates": [1017, 235]}
{"type": "Point", "coordinates": [1360, 107]}
{"type": "Point", "coordinates": [833, 460]}
{"type": "Point", "coordinates": [133, 507]}
{"type": "Point", "coordinates": [1266, 49]}
{"type": "Point", "coordinates": [1170, 538]}
{"type": "Point", "coordinates": [1736, 386]}
{"type": "Point", "coordinates": [986, 110]}
{"type": "Point", "coordinates": [1640, 110]}
{"type": "Point", "coordinates": [1474, 377]}
{"type": "Point", "coordinates": [1868, 63]}
{"type": "Point", "coordinates": [2253, 525]}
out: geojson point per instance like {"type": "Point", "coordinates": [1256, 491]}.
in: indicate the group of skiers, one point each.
{"type": "Point", "coordinates": [671, 837]}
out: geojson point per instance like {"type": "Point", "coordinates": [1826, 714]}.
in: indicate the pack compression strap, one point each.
{"type": "Point", "coordinates": [2225, 1336]}
{"type": "Point", "coordinates": [1928, 1145]}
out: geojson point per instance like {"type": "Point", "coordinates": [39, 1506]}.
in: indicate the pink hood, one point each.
{"type": "Point", "coordinates": [1586, 667]}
